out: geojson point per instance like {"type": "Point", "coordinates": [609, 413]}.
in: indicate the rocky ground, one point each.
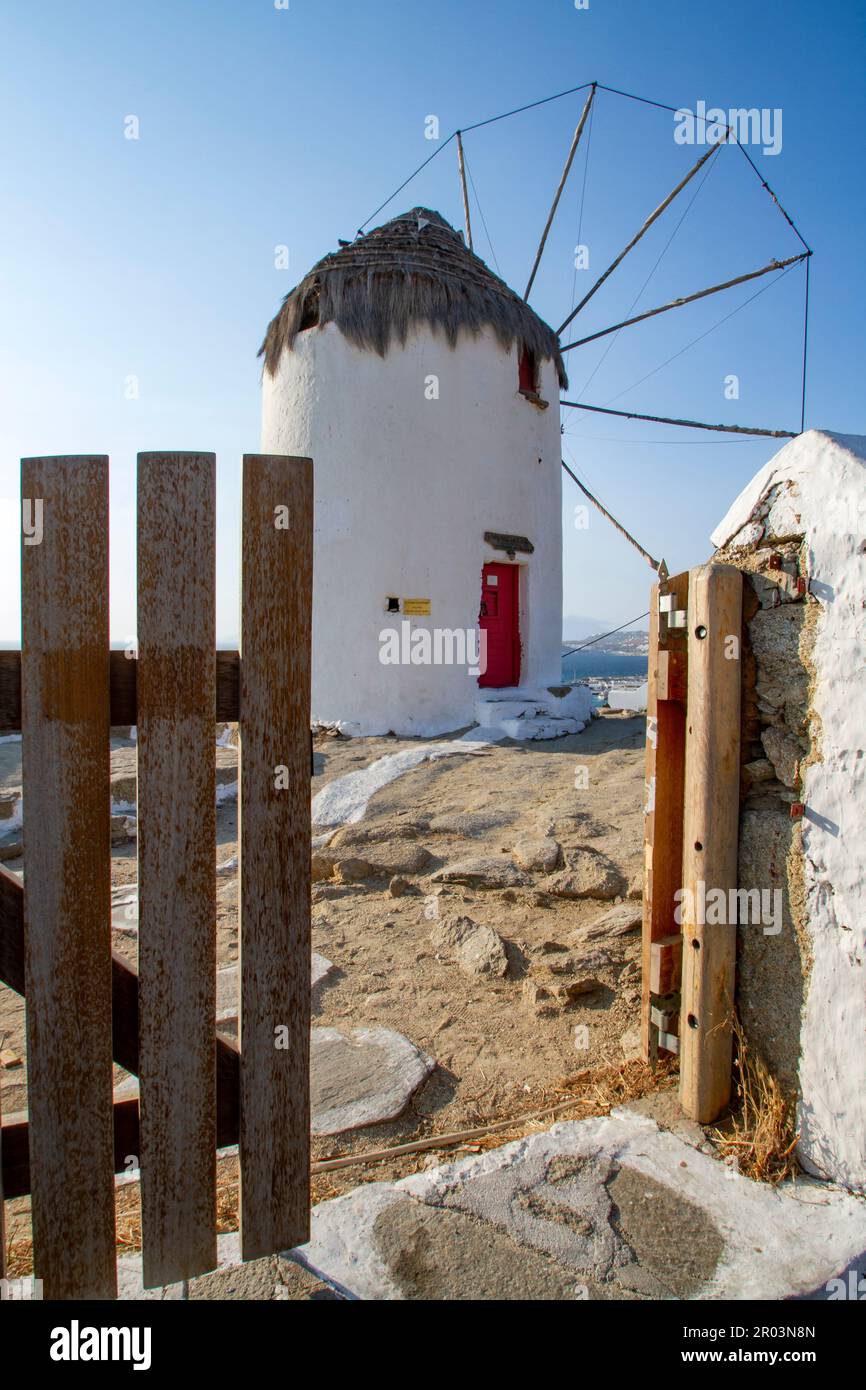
{"type": "Point", "coordinates": [486, 907]}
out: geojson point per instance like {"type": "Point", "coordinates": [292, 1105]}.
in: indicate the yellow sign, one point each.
{"type": "Point", "coordinates": [417, 607]}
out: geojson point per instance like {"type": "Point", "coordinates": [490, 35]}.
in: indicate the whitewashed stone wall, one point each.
{"type": "Point", "coordinates": [802, 992]}
{"type": "Point", "coordinates": [405, 488]}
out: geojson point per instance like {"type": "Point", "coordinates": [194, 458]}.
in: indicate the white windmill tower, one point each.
{"type": "Point", "coordinates": [421, 384]}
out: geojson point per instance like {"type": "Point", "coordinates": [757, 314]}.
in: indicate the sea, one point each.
{"type": "Point", "coordinates": [603, 666]}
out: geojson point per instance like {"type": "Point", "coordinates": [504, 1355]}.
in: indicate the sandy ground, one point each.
{"type": "Point", "coordinates": [499, 1048]}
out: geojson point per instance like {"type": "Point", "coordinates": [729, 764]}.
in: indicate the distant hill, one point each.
{"type": "Point", "coordinates": [633, 642]}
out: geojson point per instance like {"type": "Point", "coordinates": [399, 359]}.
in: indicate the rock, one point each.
{"type": "Point", "coordinates": [630, 1042]}
{"type": "Point", "coordinates": [340, 868]}
{"type": "Point", "coordinates": [375, 833]}
{"type": "Point", "coordinates": [482, 872]}
{"type": "Point", "coordinates": [398, 886]}
{"type": "Point", "coordinates": [590, 875]}
{"type": "Point", "coordinates": [362, 1078]}
{"type": "Point", "coordinates": [784, 753]}
{"type": "Point", "coordinates": [119, 832]}
{"type": "Point", "coordinates": [583, 963]}
{"type": "Point", "coordinates": [758, 771]}
{"type": "Point", "coordinates": [477, 949]}
{"type": "Point", "coordinates": [379, 860]}
{"type": "Point", "coordinates": [389, 848]}
{"type": "Point", "coordinates": [322, 867]}
{"type": "Point", "coordinates": [617, 921]}
{"type": "Point", "coordinates": [467, 824]}
{"type": "Point", "coordinates": [398, 857]}
{"type": "Point", "coordinates": [577, 989]}
{"type": "Point", "coordinates": [538, 998]}
{"type": "Point", "coordinates": [542, 855]}
{"type": "Point", "coordinates": [350, 870]}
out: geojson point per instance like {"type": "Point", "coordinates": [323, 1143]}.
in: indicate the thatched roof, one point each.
{"type": "Point", "coordinates": [414, 269]}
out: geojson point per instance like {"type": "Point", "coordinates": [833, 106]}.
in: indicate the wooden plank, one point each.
{"type": "Point", "coordinates": [710, 835]}
{"type": "Point", "coordinates": [672, 676]}
{"type": "Point", "coordinates": [176, 883]}
{"type": "Point", "coordinates": [2, 1202]}
{"type": "Point", "coordinates": [666, 956]}
{"type": "Point", "coordinates": [124, 1015]}
{"type": "Point", "coordinates": [664, 780]}
{"type": "Point", "coordinates": [64, 605]}
{"type": "Point", "coordinates": [123, 682]}
{"type": "Point", "coordinates": [274, 851]}
{"type": "Point", "coordinates": [10, 692]}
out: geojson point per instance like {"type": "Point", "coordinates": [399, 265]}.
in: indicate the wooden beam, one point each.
{"type": "Point", "coordinates": [710, 837]}
{"type": "Point", "coordinates": [124, 1015]}
{"type": "Point", "coordinates": [688, 424]}
{"type": "Point", "coordinates": [686, 299]}
{"type": "Point", "coordinates": [176, 885]}
{"type": "Point", "coordinates": [655, 564]}
{"type": "Point", "coordinates": [664, 786]}
{"type": "Point", "coordinates": [67, 865]}
{"type": "Point", "coordinates": [636, 238]}
{"type": "Point", "coordinates": [461, 166]}
{"type": "Point", "coordinates": [274, 851]}
{"type": "Point", "coordinates": [558, 194]}
{"type": "Point", "coordinates": [123, 684]}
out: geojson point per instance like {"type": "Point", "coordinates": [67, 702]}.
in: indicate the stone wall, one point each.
{"type": "Point", "coordinates": [798, 532]}
{"type": "Point", "coordinates": [778, 738]}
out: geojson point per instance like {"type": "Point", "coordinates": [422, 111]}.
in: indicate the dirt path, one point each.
{"type": "Point", "coordinates": [499, 1043]}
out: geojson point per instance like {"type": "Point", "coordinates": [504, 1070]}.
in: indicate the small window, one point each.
{"type": "Point", "coordinates": [310, 311]}
{"type": "Point", "coordinates": [527, 372]}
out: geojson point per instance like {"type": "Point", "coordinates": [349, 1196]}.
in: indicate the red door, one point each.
{"type": "Point", "coordinates": [499, 619]}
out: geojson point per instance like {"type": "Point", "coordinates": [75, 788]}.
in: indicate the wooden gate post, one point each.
{"type": "Point", "coordinates": [67, 875]}
{"type": "Point", "coordinates": [176, 716]}
{"type": "Point", "coordinates": [663, 803]}
{"type": "Point", "coordinates": [710, 836]}
{"type": "Point", "coordinates": [274, 851]}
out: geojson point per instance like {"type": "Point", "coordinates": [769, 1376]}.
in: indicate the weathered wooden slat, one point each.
{"type": "Point", "coordinates": [665, 767]}
{"type": "Point", "coordinates": [65, 719]}
{"type": "Point", "coordinates": [176, 882]}
{"type": "Point", "coordinates": [276, 599]}
{"type": "Point", "coordinates": [124, 1015]}
{"type": "Point", "coordinates": [710, 838]}
{"type": "Point", "coordinates": [123, 681]}
{"type": "Point", "coordinates": [2, 1203]}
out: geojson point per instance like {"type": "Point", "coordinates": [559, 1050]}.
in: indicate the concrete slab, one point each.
{"type": "Point", "coordinates": [605, 1208]}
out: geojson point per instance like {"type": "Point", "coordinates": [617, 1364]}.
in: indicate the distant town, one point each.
{"type": "Point", "coordinates": [633, 643]}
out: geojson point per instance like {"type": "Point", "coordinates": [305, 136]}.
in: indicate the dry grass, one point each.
{"type": "Point", "coordinates": [761, 1134]}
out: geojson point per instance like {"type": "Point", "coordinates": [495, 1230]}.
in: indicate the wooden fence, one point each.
{"type": "Point", "coordinates": [691, 828]}
{"type": "Point", "coordinates": [85, 1006]}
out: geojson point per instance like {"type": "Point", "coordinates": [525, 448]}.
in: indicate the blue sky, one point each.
{"type": "Point", "coordinates": [154, 258]}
